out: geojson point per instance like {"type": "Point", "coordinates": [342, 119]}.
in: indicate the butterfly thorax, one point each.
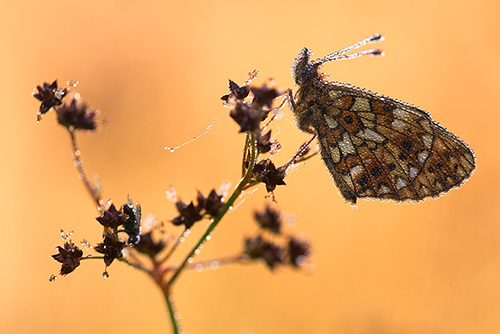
{"type": "Point", "coordinates": [314, 99]}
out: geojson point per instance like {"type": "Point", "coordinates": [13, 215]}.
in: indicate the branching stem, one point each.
{"type": "Point", "coordinates": [237, 191]}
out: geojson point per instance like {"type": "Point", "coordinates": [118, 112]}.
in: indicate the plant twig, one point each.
{"type": "Point", "coordinates": [94, 191]}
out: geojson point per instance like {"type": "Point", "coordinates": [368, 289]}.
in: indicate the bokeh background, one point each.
{"type": "Point", "coordinates": [156, 70]}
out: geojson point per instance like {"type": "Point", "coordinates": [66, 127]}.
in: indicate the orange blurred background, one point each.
{"type": "Point", "coordinates": [156, 70]}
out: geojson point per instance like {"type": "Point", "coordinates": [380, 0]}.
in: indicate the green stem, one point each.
{"type": "Point", "coordinates": [239, 188]}
{"type": "Point", "coordinates": [171, 311]}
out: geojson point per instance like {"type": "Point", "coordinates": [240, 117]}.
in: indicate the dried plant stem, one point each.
{"type": "Point", "coordinates": [237, 191]}
{"type": "Point", "coordinates": [220, 261]}
{"type": "Point", "coordinates": [91, 188]}
{"type": "Point", "coordinates": [297, 156]}
{"type": "Point", "coordinates": [121, 259]}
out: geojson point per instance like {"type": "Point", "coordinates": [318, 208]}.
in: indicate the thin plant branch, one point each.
{"type": "Point", "coordinates": [94, 191]}
{"type": "Point", "coordinates": [174, 247]}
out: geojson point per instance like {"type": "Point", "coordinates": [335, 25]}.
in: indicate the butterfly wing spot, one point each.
{"type": "Point", "coordinates": [422, 156]}
{"type": "Point", "coordinates": [373, 136]}
{"type": "Point", "coordinates": [398, 125]}
{"type": "Point", "coordinates": [332, 122]}
{"type": "Point", "coordinates": [413, 172]}
{"type": "Point", "coordinates": [346, 145]}
{"type": "Point", "coordinates": [427, 140]}
{"type": "Point", "coordinates": [426, 124]}
{"type": "Point", "coordinates": [356, 170]}
{"type": "Point", "coordinates": [400, 183]}
{"type": "Point", "coordinates": [334, 94]}
{"type": "Point", "coordinates": [360, 104]}
{"type": "Point", "coordinates": [336, 154]}
{"type": "Point", "coordinates": [401, 115]}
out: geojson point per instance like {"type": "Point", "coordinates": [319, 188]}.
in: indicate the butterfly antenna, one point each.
{"type": "Point", "coordinates": [339, 54]}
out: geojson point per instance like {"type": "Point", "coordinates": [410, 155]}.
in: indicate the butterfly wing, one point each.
{"type": "Point", "coordinates": [378, 147]}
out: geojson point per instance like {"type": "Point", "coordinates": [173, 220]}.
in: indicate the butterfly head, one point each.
{"type": "Point", "coordinates": [303, 69]}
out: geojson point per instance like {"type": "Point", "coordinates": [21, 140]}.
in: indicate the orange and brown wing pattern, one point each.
{"type": "Point", "coordinates": [375, 146]}
{"type": "Point", "coordinates": [381, 148]}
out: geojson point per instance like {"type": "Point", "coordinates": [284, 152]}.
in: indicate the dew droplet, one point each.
{"type": "Point", "coordinates": [301, 260]}
{"type": "Point", "coordinates": [190, 260]}
{"type": "Point", "coordinates": [52, 278]}
{"type": "Point", "coordinates": [105, 274]}
{"type": "Point", "coordinates": [177, 315]}
{"type": "Point", "coordinates": [291, 220]}
{"type": "Point", "coordinates": [72, 82]}
{"type": "Point", "coordinates": [199, 267]}
{"type": "Point", "coordinates": [197, 251]}
{"type": "Point", "coordinates": [182, 239]}
{"type": "Point", "coordinates": [224, 188]}
{"type": "Point", "coordinates": [208, 237]}
{"type": "Point", "coordinates": [171, 194]}
{"type": "Point", "coordinates": [85, 244]}
{"type": "Point", "coordinates": [214, 265]}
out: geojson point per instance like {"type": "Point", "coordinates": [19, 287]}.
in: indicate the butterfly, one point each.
{"type": "Point", "coordinates": [375, 146]}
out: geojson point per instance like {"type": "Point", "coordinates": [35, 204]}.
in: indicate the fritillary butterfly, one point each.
{"type": "Point", "coordinates": [375, 146]}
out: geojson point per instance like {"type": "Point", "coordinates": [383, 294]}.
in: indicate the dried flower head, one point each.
{"type": "Point", "coordinates": [266, 172]}
{"type": "Point", "coordinates": [258, 248]}
{"type": "Point", "coordinates": [188, 214]}
{"type": "Point", "coordinates": [69, 256]}
{"type": "Point", "coordinates": [111, 218]}
{"type": "Point", "coordinates": [298, 252]}
{"type": "Point", "coordinates": [264, 95]}
{"type": "Point", "coordinates": [111, 247]}
{"type": "Point", "coordinates": [147, 245]}
{"type": "Point", "coordinates": [76, 116]}
{"type": "Point", "coordinates": [49, 95]}
{"type": "Point", "coordinates": [213, 203]}
{"type": "Point", "coordinates": [269, 220]}
{"type": "Point", "coordinates": [240, 93]}
{"type": "Point", "coordinates": [264, 143]}
{"type": "Point", "coordinates": [246, 115]}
